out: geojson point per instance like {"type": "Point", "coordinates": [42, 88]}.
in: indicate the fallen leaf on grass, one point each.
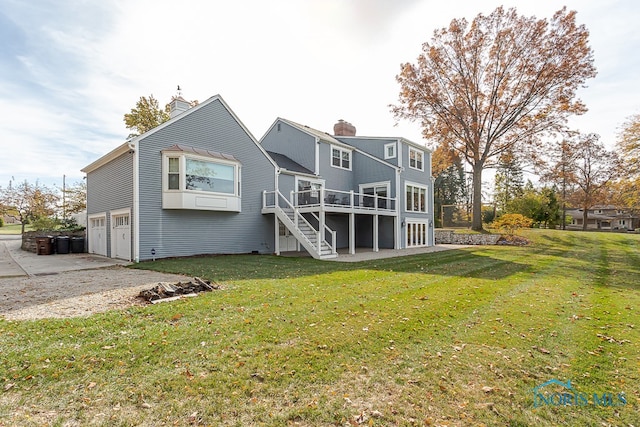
{"type": "Point", "coordinates": [542, 350]}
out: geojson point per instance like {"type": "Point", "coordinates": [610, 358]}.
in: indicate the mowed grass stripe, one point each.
{"type": "Point", "coordinates": [451, 338]}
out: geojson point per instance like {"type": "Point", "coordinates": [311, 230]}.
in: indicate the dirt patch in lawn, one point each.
{"type": "Point", "coordinates": [76, 293]}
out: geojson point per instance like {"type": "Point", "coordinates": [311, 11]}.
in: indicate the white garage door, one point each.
{"type": "Point", "coordinates": [97, 235]}
{"type": "Point", "coordinates": [121, 237]}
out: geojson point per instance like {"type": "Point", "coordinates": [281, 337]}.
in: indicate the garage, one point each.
{"type": "Point", "coordinates": [121, 234]}
{"type": "Point", "coordinates": [97, 238]}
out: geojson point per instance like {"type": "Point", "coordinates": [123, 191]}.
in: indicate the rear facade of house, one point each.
{"type": "Point", "coordinates": [347, 191]}
{"type": "Point", "coordinates": [200, 183]}
{"type": "Point", "coordinates": [190, 186]}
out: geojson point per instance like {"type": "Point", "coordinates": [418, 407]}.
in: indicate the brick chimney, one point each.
{"type": "Point", "coordinates": [343, 128]}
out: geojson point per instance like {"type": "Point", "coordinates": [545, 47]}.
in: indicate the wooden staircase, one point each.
{"type": "Point", "coordinates": [305, 233]}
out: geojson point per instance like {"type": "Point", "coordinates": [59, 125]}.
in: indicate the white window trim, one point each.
{"type": "Point", "coordinates": [393, 146]}
{"type": "Point", "coordinates": [318, 181]}
{"type": "Point", "coordinates": [195, 199]}
{"type": "Point", "coordinates": [342, 150]}
{"type": "Point", "coordinates": [426, 197]}
{"type": "Point", "coordinates": [421, 154]}
{"type": "Point", "coordinates": [386, 184]}
{"type": "Point", "coordinates": [375, 184]}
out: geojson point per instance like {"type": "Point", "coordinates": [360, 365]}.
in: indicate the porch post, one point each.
{"type": "Point", "coordinates": [376, 225]}
{"type": "Point", "coordinates": [395, 233]}
{"type": "Point", "coordinates": [321, 221]}
{"type": "Point", "coordinates": [352, 233]}
{"type": "Point", "coordinates": [277, 233]}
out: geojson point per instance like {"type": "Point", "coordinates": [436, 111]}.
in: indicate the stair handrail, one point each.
{"type": "Point", "coordinates": [332, 232]}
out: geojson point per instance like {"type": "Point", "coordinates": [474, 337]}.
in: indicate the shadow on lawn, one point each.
{"type": "Point", "coordinates": [221, 268]}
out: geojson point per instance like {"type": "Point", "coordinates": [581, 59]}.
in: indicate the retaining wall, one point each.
{"type": "Point", "coordinates": [449, 237]}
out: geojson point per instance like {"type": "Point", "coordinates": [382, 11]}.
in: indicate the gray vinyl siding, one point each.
{"type": "Point", "coordinates": [335, 178]}
{"type": "Point", "coordinates": [287, 184]}
{"type": "Point", "coordinates": [364, 231]}
{"type": "Point", "coordinates": [373, 146]}
{"type": "Point", "coordinates": [340, 224]}
{"type": "Point", "coordinates": [410, 175]}
{"type": "Point", "coordinates": [415, 175]}
{"type": "Point", "coordinates": [367, 170]}
{"type": "Point", "coordinates": [109, 188]}
{"type": "Point", "coordinates": [293, 143]}
{"type": "Point", "coordinates": [183, 232]}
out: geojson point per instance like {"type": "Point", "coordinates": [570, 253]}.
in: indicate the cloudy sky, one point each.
{"type": "Point", "coordinates": [70, 69]}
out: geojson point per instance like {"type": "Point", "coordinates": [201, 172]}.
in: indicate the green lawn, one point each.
{"type": "Point", "coordinates": [13, 229]}
{"type": "Point", "coordinates": [457, 338]}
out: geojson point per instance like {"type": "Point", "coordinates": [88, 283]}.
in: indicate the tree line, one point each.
{"type": "Point", "coordinates": [40, 206]}
{"type": "Point", "coordinates": [496, 93]}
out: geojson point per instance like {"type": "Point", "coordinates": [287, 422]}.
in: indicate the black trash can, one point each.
{"type": "Point", "coordinates": [77, 245]}
{"type": "Point", "coordinates": [62, 245]}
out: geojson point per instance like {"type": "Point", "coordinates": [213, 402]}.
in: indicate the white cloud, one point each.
{"type": "Point", "coordinates": [68, 81]}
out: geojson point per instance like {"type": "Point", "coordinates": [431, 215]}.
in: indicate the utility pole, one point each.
{"type": "Point", "coordinates": [64, 198]}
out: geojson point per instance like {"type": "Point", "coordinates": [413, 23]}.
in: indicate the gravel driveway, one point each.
{"type": "Point", "coordinates": [76, 293]}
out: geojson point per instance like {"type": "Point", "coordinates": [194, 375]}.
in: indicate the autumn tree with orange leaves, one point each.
{"type": "Point", "coordinates": [495, 84]}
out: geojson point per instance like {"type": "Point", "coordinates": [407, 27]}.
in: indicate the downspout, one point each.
{"type": "Point", "coordinates": [432, 221]}
{"type": "Point", "coordinates": [136, 201]}
{"type": "Point", "coordinates": [399, 221]}
{"type": "Point", "coordinates": [317, 159]}
{"type": "Point", "coordinates": [399, 196]}
{"type": "Point", "coordinates": [276, 195]}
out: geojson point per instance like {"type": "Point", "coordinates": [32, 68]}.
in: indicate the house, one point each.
{"type": "Point", "coordinates": [348, 191]}
{"type": "Point", "coordinates": [192, 185]}
{"type": "Point", "coordinates": [200, 183]}
{"type": "Point", "coordinates": [604, 218]}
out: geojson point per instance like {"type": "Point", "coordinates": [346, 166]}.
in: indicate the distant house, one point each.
{"type": "Point", "coordinates": [604, 218]}
{"type": "Point", "coordinates": [10, 219]}
{"type": "Point", "coordinates": [202, 184]}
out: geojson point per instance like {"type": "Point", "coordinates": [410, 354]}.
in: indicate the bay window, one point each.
{"type": "Point", "coordinates": [200, 180]}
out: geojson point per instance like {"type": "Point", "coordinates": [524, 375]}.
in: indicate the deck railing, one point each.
{"type": "Point", "coordinates": [342, 199]}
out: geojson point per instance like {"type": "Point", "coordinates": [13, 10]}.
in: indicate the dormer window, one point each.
{"type": "Point", "coordinates": [200, 180]}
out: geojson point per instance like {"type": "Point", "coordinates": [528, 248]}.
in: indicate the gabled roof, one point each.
{"type": "Point", "coordinates": [131, 143]}
{"type": "Point", "coordinates": [322, 136]}
{"type": "Point", "coordinates": [199, 151]}
{"type": "Point", "coordinates": [285, 162]}
{"type": "Point", "coordinates": [397, 138]}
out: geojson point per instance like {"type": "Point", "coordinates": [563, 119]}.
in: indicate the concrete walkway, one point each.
{"type": "Point", "coordinates": [367, 254]}
{"type": "Point", "coordinates": [15, 262]}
